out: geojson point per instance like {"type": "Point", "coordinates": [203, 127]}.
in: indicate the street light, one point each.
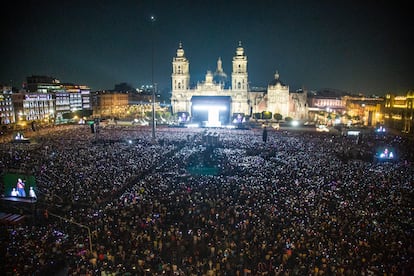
{"type": "Point", "coordinates": [78, 224]}
{"type": "Point", "coordinates": [152, 18]}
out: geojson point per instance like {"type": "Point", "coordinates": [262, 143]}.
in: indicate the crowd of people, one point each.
{"type": "Point", "coordinates": [295, 203]}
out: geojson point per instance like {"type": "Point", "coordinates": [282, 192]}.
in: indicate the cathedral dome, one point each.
{"type": "Point", "coordinates": [220, 76]}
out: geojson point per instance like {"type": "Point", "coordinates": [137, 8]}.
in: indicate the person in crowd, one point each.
{"type": "Point", "coordinates": [264, 134]}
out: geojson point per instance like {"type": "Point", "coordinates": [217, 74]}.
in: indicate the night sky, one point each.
{"type": "Point", "coordinates": [353, 46]}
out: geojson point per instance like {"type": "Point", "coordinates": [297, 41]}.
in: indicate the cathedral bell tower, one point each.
{"type": "Point", "coordinates": [180, 79]}
{"type": "Point", "coordinates": [181, 74]}
{"type": "Point", "coordinates": [239, 83]}
{"type": "Point", "coordinates": [239, 74]}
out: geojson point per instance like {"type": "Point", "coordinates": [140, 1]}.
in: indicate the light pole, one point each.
{"type": "Point", "coordinates": [152, 18]}
{"type": "Point", "coordinates": [78, 224]}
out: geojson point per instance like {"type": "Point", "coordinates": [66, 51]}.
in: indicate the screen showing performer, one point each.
{"type": "Point", "coordinates": [19, 185]}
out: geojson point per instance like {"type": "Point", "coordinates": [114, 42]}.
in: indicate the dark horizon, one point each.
{"type": "Point", "coordinates": [353, 47]}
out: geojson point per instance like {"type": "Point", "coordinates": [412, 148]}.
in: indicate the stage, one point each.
{"type": "Point", "coordinates": [19, 199]}
{"type": "Point", "coordinates": [10, 205]}
{"type": "Point", "coordinates": [21, 141]}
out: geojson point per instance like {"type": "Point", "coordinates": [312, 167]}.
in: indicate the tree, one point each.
{"type": "Point", "coordinates": [266, 115]}
{"type": "Point", "coordinates": [257, 115]}
{"type": "Point", "coordinates": [124, 87]}
{"type": "Point", "coordinates": [278, 117]}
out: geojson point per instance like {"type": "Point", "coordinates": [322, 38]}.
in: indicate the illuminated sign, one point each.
{"type": "Point", "coordinates": [38, 97]}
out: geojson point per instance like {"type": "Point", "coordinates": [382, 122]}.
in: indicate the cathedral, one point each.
{"type": "Point", "coordinates": [218, 101]}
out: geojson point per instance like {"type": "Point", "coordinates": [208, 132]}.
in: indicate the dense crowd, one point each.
{"type": "Point", "coordinates": [299, 203]}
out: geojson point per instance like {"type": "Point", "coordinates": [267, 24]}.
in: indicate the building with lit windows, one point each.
{"type": "Point", "coordinates": [368, 110]}
{"type": "Point", "coordinates": [62, 105]}
{"type": "Point", "coordinates": [42, 84]}
{"type": "Point", "coordinates": [30, 107]}
{"type": "Point", "coordinates": [217, 101]}
{"type": "Point", "coordinates": [80, 102]}
{"type": "Point", "coordinates": [345, 109]}
{"type": "Point", "coordinates": [399, 111]}
{"type": "Point", "coordinates": [7, 114]}
{"type": "Point", "coordinates": [298, 104]}
{"type": "Point", "coordinates": [68, 100]}
{"type": "Point", "coordinates": [111, 104]}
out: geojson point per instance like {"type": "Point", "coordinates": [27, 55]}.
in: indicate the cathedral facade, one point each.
{"type": "Point", "coordinates": [219, 101]}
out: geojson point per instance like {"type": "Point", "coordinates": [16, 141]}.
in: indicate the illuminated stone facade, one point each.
{"type": "Point", "coordinates": [276, 99]}
{"type": "Point", "coordinates": [182, 94]}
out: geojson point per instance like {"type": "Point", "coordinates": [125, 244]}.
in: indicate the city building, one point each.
{"type": "Point", "coordinates": [42, 84]}
{"type": "Point", "coordinates": [30, 107]}
{"type": "Point", "coordinates": [331, 107]}
{"type": "Point", "coordinates": [365, 110]}
{"type": "Point", "coordinates": [47, 100]}
{"type": "Point", "coordinates": [80, 102]}
{"type": "Point", "coordinates": [324, 109]}
{"type": "Point", "coordinates": [7, 114]}
{"type": "Point", "coordinates": [62, 105]}
{"type": "Point", "coordinates": [111, 104]}
{"type": "Point", "coordinates": [398, 112]}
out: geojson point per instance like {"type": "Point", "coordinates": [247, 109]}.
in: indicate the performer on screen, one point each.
{"type": "Point", "coordinates": [32, 193]}
{"type": "Point", "coordinates": [20, 187]}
